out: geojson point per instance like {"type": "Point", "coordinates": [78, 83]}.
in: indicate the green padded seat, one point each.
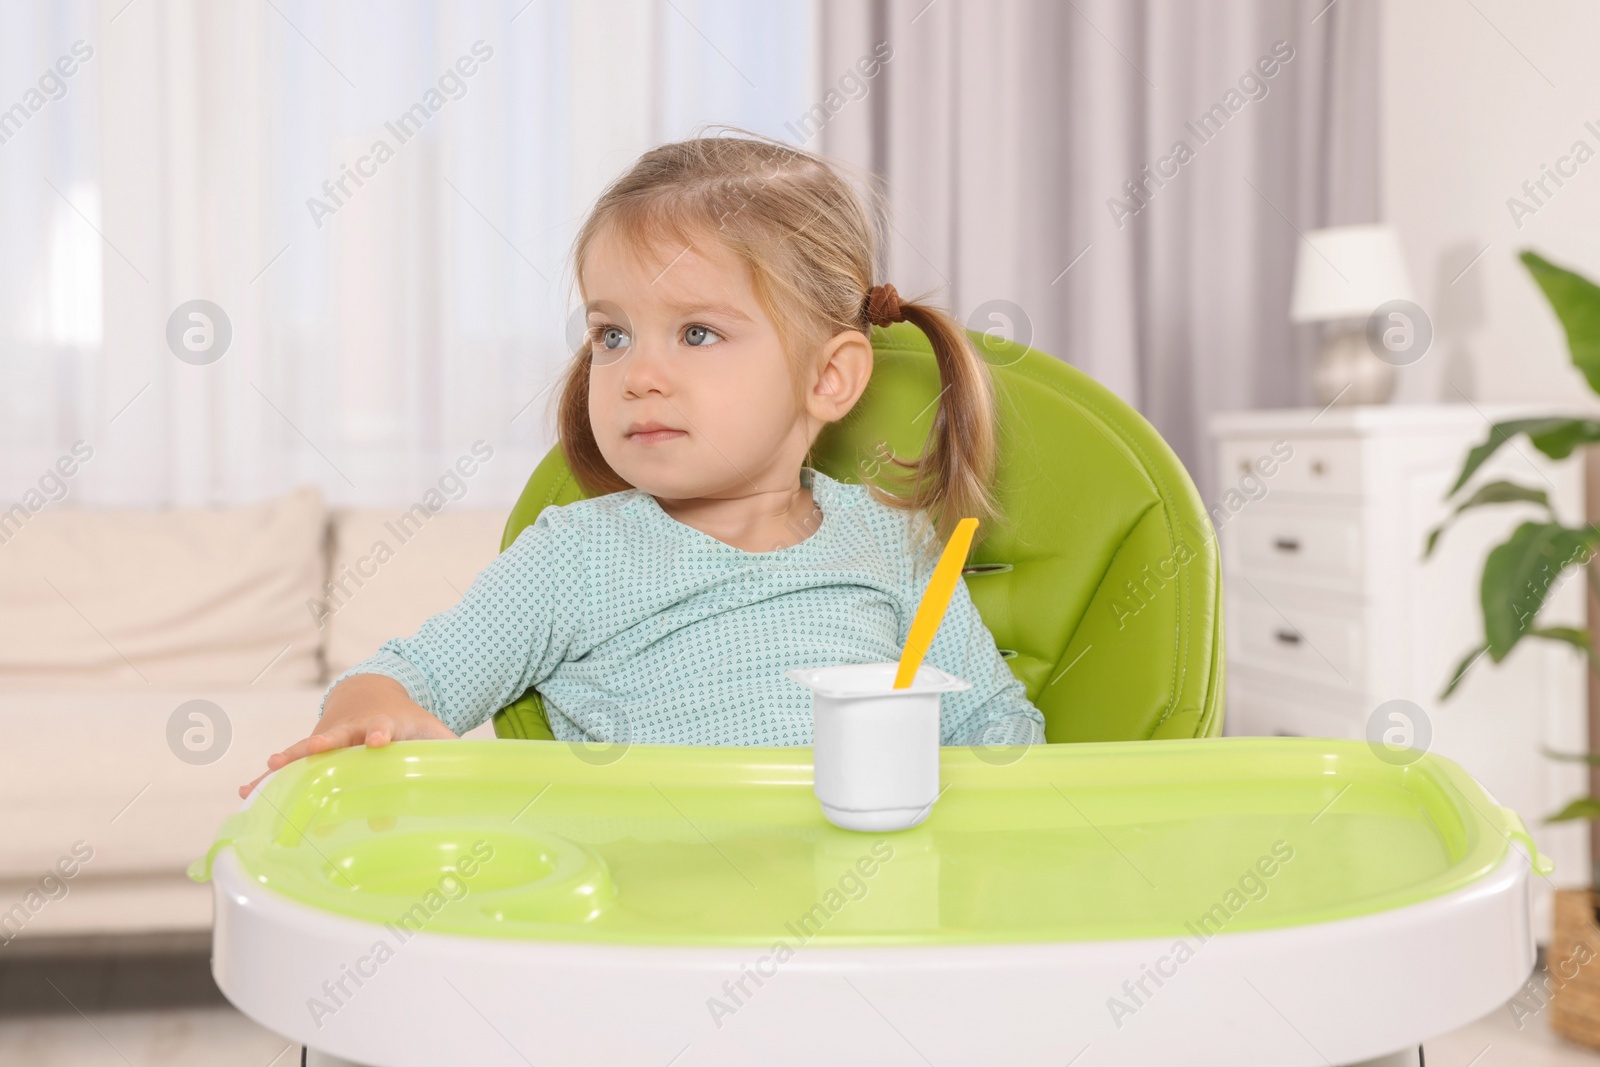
{"type": "Point", "coordinates": [1101, 586]}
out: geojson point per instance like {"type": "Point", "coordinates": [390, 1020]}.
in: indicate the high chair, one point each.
{"type": "Point", "coordinates": [1106, 545]}
{"type": "Point", "coordinates": [1187, 900]}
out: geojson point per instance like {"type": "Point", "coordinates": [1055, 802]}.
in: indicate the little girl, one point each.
{"type": "Point", "coordinates": [727, 282]}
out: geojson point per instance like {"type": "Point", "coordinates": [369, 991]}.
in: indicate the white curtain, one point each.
{"type": "Point", "coordinates": [1004, 134]}
{"type": "Point", "coordinates": [374, 339]}
{"type": "Point", "coordinates": [378, 327]}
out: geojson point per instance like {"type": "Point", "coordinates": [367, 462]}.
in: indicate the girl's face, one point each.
{"type": "Point", "coordinates": [690, 394]}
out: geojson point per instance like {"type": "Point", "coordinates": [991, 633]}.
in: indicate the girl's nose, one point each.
{"type": "Point", "coordinates": [645, 369]}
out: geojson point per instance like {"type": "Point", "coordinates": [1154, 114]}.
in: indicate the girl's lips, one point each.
{"type": "Point", "coordinates": [654, 436]}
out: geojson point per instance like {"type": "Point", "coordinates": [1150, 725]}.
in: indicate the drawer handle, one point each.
{"type": "Point", "coordinates": [1318, 467]}
{"type": "Point", "coordinates": [1288, 637]}
{"type": "Point", "coordinates": [1286, 544]}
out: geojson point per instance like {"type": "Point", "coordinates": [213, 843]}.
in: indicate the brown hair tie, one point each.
{"type": "Point", "coordinates": [883, 305]}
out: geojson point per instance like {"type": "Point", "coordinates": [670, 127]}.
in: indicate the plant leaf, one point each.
{"type": "Point", "coordinates": [1554, 435]}
{"type": "Point", "coordinates": [1490, 493]}
{"type": "Point", "coordinates": [1563, 435]}
{"type": "Point", "coordinates": [1461, 670]}
{"type": "Point", "coordinates": [1582, 808]}
{"type": "Point", "coordinates": [1503, 493]}
{"type": "Point", "coordinates": [1518, 576]}
{"type": "Point", "coordinates": [1576, 301]}
{"type": "Point", "coordinates": [1591, 758]}
{"type": "Point", "coordinates": [1575, 636]}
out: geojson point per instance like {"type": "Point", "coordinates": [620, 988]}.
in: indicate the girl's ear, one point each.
{"type": "Point", "coordinates": [844, 370]}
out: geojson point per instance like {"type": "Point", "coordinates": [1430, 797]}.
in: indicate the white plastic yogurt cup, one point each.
{"type": "Point", "coordinates": [875, 749]}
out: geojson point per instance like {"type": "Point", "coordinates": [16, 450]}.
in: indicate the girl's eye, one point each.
{"type": "Point", "coordinates": [696, 335]}
{"type": "Point", "coordinates": [609, 337]}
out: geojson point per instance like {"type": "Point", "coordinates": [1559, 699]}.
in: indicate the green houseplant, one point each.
{"type": "Point", "coordinates": [1518, 576]}
{"type": "Point", "coordinates": [1519, 573]}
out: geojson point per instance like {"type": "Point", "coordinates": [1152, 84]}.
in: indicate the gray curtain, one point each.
{"type": "Point", "coordinates": [1003, 136]}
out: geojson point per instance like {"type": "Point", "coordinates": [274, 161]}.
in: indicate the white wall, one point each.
{"type": "Point", "coordinates": [1478, 97]}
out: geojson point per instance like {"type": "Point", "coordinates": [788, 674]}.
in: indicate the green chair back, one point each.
{"type": "Point", "coordinates": [1101, 586]}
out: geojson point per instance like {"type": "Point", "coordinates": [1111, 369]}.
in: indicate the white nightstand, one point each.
{"type": "Point", "coordinates": [1331, 610]}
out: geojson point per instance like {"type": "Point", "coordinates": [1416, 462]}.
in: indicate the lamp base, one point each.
{"type": "Point", "coordinates": [1346, 371]}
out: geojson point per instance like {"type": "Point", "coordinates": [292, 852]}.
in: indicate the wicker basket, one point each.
{"type": "Point", "coordinates": [1573, 961]}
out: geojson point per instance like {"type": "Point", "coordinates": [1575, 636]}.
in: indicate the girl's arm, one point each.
{"type": "Point", "coordinates": [508, 633]}
{"type": "Point", "coordinates": [364, 708]}
{"type": "Point", "coordinates": [996, 710]}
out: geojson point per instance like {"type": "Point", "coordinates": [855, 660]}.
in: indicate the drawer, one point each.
{"type": "Point", "coordinates": [1320, 546]}
{"type": "Point", "coordinates": [1290, 464]}
{"type": "Point", "coordinates": [1319, 642]}
{"type": "Point", "coordinates": [1257, 709]}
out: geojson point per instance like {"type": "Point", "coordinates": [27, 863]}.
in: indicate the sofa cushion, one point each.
{"type": "Point", "coordinates": [391, 569]}
{"type": "Point", "coordinates": [190, 596]}
{"type": "Point", "coordinates": [143, 795]}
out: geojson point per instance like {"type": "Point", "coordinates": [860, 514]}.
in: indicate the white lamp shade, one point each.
{"type": "Point", "coordinates": [1346, 272]}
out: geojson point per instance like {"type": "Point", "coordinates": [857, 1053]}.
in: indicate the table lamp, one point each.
{"type": "Point", "coordinates": [1341, 276]}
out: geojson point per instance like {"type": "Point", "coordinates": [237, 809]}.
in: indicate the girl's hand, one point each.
{"type": "Point", "coordinates": [370, 708]}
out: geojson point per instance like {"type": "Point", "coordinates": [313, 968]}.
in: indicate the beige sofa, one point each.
{"type": "Point", "coordinates": [113, 623]}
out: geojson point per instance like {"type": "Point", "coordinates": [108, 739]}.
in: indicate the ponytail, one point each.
{"type": "Point", "coordinates": [952, 478]}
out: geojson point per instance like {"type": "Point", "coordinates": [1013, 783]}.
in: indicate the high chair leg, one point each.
{"type": "Point", "coordinates": [1411, 1057]}
{"type": "Point", "coordinates": [310, 1057]}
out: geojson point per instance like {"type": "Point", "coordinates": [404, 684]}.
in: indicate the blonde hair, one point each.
{"type": "Point", "coordinates": [806, 238]}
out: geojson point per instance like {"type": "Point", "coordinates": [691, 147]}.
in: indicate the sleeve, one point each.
{"type": "Point", "coordinates": [513, 627]}
{"type": "Point", "coordinates": [996, 710]}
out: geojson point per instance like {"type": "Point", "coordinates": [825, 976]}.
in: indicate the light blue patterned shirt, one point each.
{"type": "Point", "coordinates": [635, 626]}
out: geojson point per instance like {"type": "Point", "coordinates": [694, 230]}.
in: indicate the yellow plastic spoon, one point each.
{"type": "Point", "coordinates": [935, 601]}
